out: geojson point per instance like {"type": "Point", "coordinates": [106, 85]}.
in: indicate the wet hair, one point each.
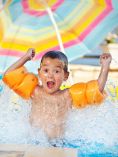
{"type": "Point", "coordinates": [57, 55]}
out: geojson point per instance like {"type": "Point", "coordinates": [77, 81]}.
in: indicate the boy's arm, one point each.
{"type": "Point", "coordinates": [91, 92]}
{"type": "Point", "coordinates": [18, 79]}
{"type": "Point", "coordinates": [28, 56]}
{"type": "Point", "coordinates": [105, 60]}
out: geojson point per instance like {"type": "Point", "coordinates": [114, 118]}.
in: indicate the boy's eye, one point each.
{"type": "Point", "coordinates": [57, 71]}
{"type": "Point", "coordinates": [45, 70]}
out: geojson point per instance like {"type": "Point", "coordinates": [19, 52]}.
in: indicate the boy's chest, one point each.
{"type": "Point", "coordinates": [52, 106]}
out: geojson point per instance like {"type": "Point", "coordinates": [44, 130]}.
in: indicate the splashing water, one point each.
{"type": "Point", "coordinates": [92, 129]}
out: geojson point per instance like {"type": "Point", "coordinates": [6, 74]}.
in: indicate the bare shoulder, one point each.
{"type": "Point", "coordinates": [66, 92]}
{"type": "Point", "coordinates": [36, 91]}
{"type": "Point", "coordinates": [67, 96]}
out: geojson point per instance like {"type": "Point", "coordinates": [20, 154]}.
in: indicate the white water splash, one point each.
{"type": "Point", "coordinates": [94, 124]}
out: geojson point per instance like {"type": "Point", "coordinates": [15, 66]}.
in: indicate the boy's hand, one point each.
{"type": "Point", "coordinates": [105, 59]}
{"type": "Point", "coordinates": [30, 53]}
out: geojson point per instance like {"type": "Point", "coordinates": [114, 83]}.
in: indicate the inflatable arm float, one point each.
{"type": "Point", "coordinates": [84, 94]}
{"type": "Point", "coordinates": [21, 81]}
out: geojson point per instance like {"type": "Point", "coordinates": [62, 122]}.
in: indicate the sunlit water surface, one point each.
{"type": "Point", "coordinates": [92, 130]}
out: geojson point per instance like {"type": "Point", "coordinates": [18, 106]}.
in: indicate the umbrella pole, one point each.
{"type": "Point", "coordinates": [54, 24]}
{"type": "Point", "coordinates": [56, 29]}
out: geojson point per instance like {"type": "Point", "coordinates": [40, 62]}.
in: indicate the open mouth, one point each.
{"type": "Point", "coordinates": [50, 84]}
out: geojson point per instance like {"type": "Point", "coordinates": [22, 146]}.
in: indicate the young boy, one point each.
{"type": "Point", "coordinates": [50, 105]}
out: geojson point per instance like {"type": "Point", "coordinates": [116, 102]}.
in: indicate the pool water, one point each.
{"type": "Point", "coordinates": [92, 130]}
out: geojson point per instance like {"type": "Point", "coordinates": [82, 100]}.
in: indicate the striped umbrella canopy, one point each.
{"type": "Point", "coordinates": [75, 27]}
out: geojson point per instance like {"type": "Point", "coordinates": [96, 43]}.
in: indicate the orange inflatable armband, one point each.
{"type": "Point", "coordinates": [22, 82]}
{"type": "Point", "coordinates": [27, 86]}
{"type": "Point", "coordinates": [94, 96]}
{"type": "Point", "coordinates": [84, 94]}
{"type": "Point", "coordinates": [77, 92]}
{"type": "Point", "coordinates": [14, 78]}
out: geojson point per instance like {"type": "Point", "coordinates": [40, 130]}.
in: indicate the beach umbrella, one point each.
{"type": "Point", "coordinates": [75, 27]}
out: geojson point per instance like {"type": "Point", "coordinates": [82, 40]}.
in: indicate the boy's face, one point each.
{"type": "Point", "coordinates": [52, 74]}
